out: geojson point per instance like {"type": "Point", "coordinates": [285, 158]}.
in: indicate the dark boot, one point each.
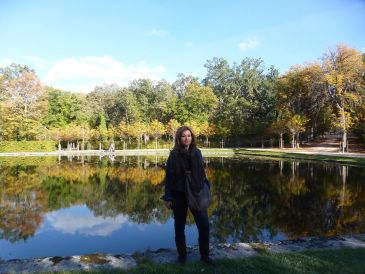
{"type": "Point", "coordinates": [181, 259]}
{"type": "Point", "coordinates": [204, 253]}
{"type": "Point", "coordinates": [203, 248]}
{"type": "Point", "coordinates": [207, 260]}
{"type": "Point", "coordinates": [181, 250]}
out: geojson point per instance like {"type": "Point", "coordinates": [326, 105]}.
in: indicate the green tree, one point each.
{"type": "Point", "coordinates": [200, 102]}
{"type": "Point", "coordinates": [245, 94]}
{"type": "Point", "coordinates": [102, 132]}
{"type": "Point", "coordinates": [182, 82]}
{"type": "Point", "coordinates": [151, 99]}
{"type": "Point", "coordinates": [64, 108]}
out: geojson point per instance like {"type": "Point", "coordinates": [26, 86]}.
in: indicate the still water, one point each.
{"type": "Point", "coordinates": [68, 206]}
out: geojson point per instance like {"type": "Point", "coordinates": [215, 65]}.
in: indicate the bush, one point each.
{"type": "Point", "coordinates": [27, 146]}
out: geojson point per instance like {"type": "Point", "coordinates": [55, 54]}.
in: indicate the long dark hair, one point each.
{"type": "Point", "coordinates": [179, 133]}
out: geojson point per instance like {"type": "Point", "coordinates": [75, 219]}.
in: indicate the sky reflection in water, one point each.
{"type": "Point", "coordinates": [50, 207]}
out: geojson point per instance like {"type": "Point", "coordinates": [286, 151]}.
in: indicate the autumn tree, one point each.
{"type": "Point", "coordinates": [24, 103]}
{"type": "Point", "coordinates": [171, 129]}
{"type": "Point", "coordinates": [279, 127]}
{"type": "Point", "coordinates": [56, 135]}
{"type": "Point", "coordinates": [207, 130]}
{"type": "Point", "coordinates": [137, 130]}
{"type": "Point", "coordinates": [195, 127]}
{"type": "Point", "coordinates": [295, 125]}
{"type": "Point", "coordinates": [344, 73]}
{"type": "Point", "coordinates": [122, 132]}
{"type": "Point", "coordinates": [156, 129]}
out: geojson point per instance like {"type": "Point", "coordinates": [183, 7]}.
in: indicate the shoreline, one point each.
{"type": "Point", "coordinates": [127, 152]}
{"type": "Point", "coordinates": [166, 256]}
{"type": "Point", "coordinates": [312, 154]}
{"type": "Point", "coordinates": [165, 151]}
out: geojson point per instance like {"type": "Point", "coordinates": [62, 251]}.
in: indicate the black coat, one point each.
{"type": "Point", "coordinates": [178, 162]}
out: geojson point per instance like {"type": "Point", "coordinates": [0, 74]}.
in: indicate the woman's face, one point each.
{"type": "Point", "coordinates": [185, 139]}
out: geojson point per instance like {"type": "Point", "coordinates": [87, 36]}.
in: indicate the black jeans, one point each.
{"type": "Point", "coordinates": [180, 208]}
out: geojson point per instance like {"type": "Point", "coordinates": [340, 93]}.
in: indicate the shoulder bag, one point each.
{"type": "Point", "coordinates": [197, 200]}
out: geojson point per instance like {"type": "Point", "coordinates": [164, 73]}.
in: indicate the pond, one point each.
{"type": "Point", "coordinates": [69, 206]}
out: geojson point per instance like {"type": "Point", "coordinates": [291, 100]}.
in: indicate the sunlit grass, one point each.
{"type": "Point", "coordinates": [312, 157]}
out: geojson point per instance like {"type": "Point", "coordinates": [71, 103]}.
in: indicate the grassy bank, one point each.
{"type": "Point", "coordinates": [29, 146]}
{"type": "Point", "coordinates": [312, 157]}
{"type": "Point", "coordinates": [217, 152]}
{"type": "Point", "coordinates": [320, 261]}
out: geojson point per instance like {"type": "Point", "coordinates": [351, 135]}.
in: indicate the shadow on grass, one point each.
{"type": "Point", "coordinates": [358, 161]}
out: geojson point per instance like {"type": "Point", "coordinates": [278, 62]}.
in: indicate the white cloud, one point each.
{"type": "Point", "coordinates": [84, 73]}
{"type": "Point", "coordinates": [4, 62]}
{"type": "Point", "coordinates": [157, 33]}
{"type": "Point", "coordinates": [76, 221]}
{"type": "Point", "coordinates": [249, 43]}
{"type": "Point", "coordinates": [38, 62]}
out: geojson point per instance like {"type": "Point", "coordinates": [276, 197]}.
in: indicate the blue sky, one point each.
{"type": "Point", "coordinates": [77, 44]}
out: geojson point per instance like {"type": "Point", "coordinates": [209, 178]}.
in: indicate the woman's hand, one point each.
{"type": "Point", "coordinates": [168, 204]}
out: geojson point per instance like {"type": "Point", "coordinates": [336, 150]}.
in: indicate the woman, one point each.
{"type": "Point", "coordinates": [186, 158]}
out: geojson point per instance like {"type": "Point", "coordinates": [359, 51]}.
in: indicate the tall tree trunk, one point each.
{"type": "Point", "coordinates": [344, 126]}
{"type": "Point", "coordinates": [83, 139]}
{"type": "Point", "coordinates": [344, 141]}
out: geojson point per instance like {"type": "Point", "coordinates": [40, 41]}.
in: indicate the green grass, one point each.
{"type": "Point", "coordinates": [218, 152]}
{"type": "Point", "coordinates": [29, 146]}
{"type": "Point", "coordinates": [321, 261]}
{"type": "Point", "coordinates": [300, 156]}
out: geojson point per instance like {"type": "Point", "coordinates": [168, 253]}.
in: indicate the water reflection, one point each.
{"type": "Point", "coordinates": [79, 220]}
{"type": "Point", "coordinates": [253, 199]}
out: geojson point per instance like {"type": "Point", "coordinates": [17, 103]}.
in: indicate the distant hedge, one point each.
{"type": "Point", "coordinates": [27, 146]}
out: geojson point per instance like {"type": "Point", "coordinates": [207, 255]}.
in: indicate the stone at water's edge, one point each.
{"type": "Point", "coordinates": [219, 251]}
{"type": "Point", "coordinates": [84, 262]}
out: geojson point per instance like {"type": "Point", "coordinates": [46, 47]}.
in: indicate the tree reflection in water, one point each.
{"type": "Point", "coordinates": [253, 199]}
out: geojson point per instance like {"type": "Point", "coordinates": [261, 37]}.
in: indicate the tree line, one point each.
{"type": "Point", "coordinates": [239, 104]}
